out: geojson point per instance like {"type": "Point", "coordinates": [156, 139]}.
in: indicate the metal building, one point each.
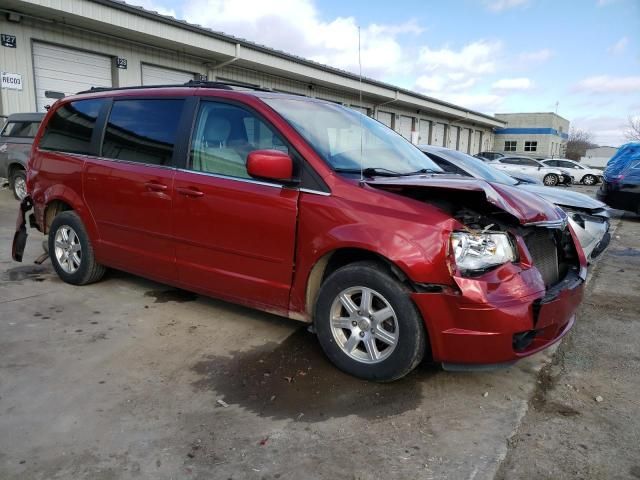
{"type": "Point", "coordinates": [72, 45]}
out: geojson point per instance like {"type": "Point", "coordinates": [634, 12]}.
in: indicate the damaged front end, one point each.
{"type": "Point", "coordinates": [517, 268]}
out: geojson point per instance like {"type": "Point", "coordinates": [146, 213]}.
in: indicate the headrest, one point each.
{"type": "Point", "coordinates": [217, 129]}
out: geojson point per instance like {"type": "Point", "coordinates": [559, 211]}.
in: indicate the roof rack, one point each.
{"type": "Point", "coordinates": [190, 83]}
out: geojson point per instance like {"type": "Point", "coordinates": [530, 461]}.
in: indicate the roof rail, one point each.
{"type": "Point", "coordinates": [190, 83]}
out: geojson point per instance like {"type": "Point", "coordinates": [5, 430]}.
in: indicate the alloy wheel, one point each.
{"type": "Point", "coordinates": [364, 324]}
{"type": "Point", "coordinates": [68, 250]}
{"type": "Point", "coordinates": [20, 187]}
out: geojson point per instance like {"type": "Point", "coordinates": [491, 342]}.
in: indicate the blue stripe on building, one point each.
{"type": "Point", "coordinates": [530, 131]}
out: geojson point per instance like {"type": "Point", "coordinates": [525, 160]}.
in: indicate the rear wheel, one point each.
{"type": "Point", "coordinates": [589, 180]}
{"type": "Point", "coordinates": [18, 183]}
{"type": "Point", "coordinates": [367, 325]}
{"type": "Point", "coordinates": [550, 180]}
{"type": "Point", "coordinates": [71, 251]}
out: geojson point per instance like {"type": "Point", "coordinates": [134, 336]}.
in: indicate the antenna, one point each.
{"type": "Point", "coordinates": [360, 101]}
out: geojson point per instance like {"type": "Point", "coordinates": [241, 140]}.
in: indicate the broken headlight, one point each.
{"type": "Point", "coordinates": [479, 251]}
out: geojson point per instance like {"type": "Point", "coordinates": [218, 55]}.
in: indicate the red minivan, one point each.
{"type": "Point", "coordinates": [306, 209]}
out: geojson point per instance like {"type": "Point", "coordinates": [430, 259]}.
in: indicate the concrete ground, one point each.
{"type": "Point", "coordinates": [130, 379]}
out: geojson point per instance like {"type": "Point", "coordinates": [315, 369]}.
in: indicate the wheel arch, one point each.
{"type": "Point", "coordinates": [340, 257]}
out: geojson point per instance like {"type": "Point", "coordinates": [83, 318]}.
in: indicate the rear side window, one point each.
{"type": "Point", "coordinates": [71, 126]}
{"type": "Point", "coordinates": [142, 131]}
{"type": "Point", "coordinates": [20, 129]}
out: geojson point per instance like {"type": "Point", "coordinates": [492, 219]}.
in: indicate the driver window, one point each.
{"type": "Point", "coordinates": [225, 135]}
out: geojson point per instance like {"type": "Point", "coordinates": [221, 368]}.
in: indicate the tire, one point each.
{"type": "Point", "coordinates": [72, 254]}
{"type": "Point", "coordinates": [589, 180]}
{"type": "Point", "coordinates": [18, 183]}
{"type": "Point", "coordinates": [397, 335]}
{"type": "Point", "coordinates": [550, 180]}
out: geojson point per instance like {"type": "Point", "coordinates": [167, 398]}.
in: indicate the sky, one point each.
{"type": "Point", "coordinates": [494, 56]}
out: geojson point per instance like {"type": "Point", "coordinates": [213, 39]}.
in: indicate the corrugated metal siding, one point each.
{"type": "Point", "coordinates": [67, 70]}
{"type": "Point", "coordinates": [154, 75]}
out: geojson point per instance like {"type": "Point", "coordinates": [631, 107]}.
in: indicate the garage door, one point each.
{"type": "Point", "coordinates": [153, 75]}
{"type": "Point", "coordinates": [463, 144]}
{"type": "Point", "coordinates": [438, 135]}
{"type": "Point", "coordinates": [405, 126]}
{"type": "Point", "coordinates": [453, 137]}
{"type": "Point", "coordinates": [477, 137]}
{"type": "Point", "coordinates": [386, 118]}
{"type": "Point", "coordinates": [67, 70]}
{"type": "Point", "coordinates": [423, 132]}
{"type": "Point", "coordinates": [363, 110]}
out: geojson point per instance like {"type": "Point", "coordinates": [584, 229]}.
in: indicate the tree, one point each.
{"type": "Point", "coordinates": [632, 132]}
{"type": "Point", "coordinates": [578, 143]}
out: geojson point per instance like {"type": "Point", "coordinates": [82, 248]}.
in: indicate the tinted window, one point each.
{"type": "Point", "coordinates": [528, 162]}
{"type": "Point", "coordinates": [20, 129]}
{"type": "Point", "coordinates": [552, 163]}
{"type": "Point", "coordinates": [510, 161]}
{"type": "Point", "coordinates": [224, 136]}
{"type": "Point", "coordinates": [142, 131]}
{"type": "Point", "coordinates": [71, 126]}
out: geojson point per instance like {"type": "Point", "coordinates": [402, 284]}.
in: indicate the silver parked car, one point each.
{"type": "Point", "coordinates": [529, 166]}
{"type": "Point", "coordinates": [589, 217]}
{"type": "Point", "coordinates": [580, 173]}
{"type": "Point", "coordinates": [16, 138]}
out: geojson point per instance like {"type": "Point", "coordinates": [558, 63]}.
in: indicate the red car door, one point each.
{"type": "Point", "coordinates": [129, 188]}
{"type": "Point", "coordinates": [235, 236]}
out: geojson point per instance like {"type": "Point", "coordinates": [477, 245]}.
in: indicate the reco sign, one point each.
{"type": "Point", "coordinates": [12, 81]}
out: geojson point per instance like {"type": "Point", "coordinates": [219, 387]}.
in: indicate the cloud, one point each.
{"type": "Point", "coordinates": [295, 26]}
{"type": "Point", "coordinates": [483, 102]}
{"type": "Point", "coordinates": [608, 84]}
{"type": "Point", "coordinates": [537, 57]}
{"type": "Point", "coordinates": [619, 47]}
{"type": "Point", "coordinates": [154, 7]}
{"type": "Point", "coordinates": [476, 58]}
{"type": "Point", "coordinates": [500, 5]}
{"type": "Point", "coordinates": [607, 130]}
{"type": "Point", "coordinates": [512, 84]}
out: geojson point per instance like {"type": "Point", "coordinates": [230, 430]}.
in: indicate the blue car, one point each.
{"type": "Point", "coordinates": [621, 186]}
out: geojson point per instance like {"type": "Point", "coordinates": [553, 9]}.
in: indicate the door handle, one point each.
{"type": "Point", "coordinates": [155, 187]}
{"type": "Point", "coordinates": [189, 192]}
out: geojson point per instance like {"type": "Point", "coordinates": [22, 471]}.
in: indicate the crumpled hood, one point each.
{"type": "Point", "coordinates": [525, 206]}
{"type": "Point", "coordinates": [563, 197]}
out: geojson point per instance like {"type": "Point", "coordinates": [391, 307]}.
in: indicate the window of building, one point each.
{"type": "Point", "coordinates": [510, 145]}
{"type": "Point", "coordinates": [71, 126]}
{"type": "Point", "coordinates": [142, 131]}
{"type": "Point", "coordinates": [530, 146]}
{"type": "Point", "coordinates": [224, 136]}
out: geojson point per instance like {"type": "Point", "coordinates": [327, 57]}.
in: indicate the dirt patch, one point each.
{"type": "Point", "coordinates": [294, 380]}
{"type": "Point", "coordinates": [27, 272]}
{"type": "Point", "coordinates": [171, 295]}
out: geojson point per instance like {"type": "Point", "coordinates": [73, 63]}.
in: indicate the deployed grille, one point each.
{"type": "Point", "coordinates": [544, 253]}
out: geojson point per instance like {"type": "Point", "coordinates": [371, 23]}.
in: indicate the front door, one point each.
{"type": "Point", "coordinates": [129, 187]}
{"type": "Point", "coordinates": [235, 236]}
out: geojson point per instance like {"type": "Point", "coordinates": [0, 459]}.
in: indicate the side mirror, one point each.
{"type": "Point", "coordinates": [270, 165]}
{"type": "Point", "coordinates": [53, 94]}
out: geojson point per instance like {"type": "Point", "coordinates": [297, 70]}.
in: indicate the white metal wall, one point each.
{"type": "Point", "coordinates": [155, 75]}
{"type": "Point", "coordinates": [463, 144]}
{"type": "Point", "coordinates": [67, 70]}
{"type": "Point", "coordinates": [438, 135]}
{"type": "Point", "coordinates": [453, 138]}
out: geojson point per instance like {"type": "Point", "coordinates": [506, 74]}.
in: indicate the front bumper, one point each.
{"type": "Point", "coordinates": [499, 320]}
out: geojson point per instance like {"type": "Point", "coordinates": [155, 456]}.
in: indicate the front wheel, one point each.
{"type": "Point", "coordinates": [589, 180]}
{"type": "Point", "coordinates": [550, 180]}
{"type": "Point", "coordinates": [18, 184]}
{"type": "Point", "coordinates": [71, 251]}
{"type": "Point", "coordinates": [367, 324]}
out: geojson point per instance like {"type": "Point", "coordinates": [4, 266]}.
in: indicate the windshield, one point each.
{"type": "Point", "coordinates": [477, 168]}
{"type": "Point", "coordinates": [348, 140]}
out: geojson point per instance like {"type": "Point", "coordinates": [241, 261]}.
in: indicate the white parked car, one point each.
{"type": "Point", "coordinates": [580, 173]}
{"type": "Point", "coordinates": [548, 175]}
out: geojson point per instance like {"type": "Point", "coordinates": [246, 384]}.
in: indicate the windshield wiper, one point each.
{"type": "Point", "coordinates": [383, 172]}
